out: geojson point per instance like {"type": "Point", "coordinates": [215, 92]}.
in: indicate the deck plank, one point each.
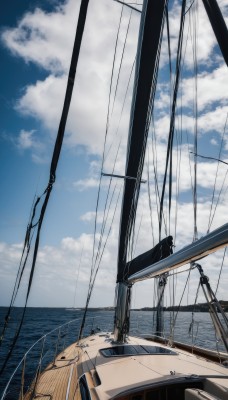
{"type": "Point", "coordinates": [53, 381]}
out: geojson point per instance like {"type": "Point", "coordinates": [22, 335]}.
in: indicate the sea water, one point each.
{"type": "Point", "coordinates": [194, 329]}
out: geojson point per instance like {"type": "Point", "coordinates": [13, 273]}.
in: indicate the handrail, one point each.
{"type": "Point", "coordinates": [29, 350]}
{"type": "Point", "coordinates": [89, 321]}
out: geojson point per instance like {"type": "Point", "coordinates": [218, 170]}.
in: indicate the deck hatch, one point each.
{"type": "Point", "coordinates": [129, 350]}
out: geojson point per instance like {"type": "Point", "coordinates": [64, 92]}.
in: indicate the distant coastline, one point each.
{"type": "Point", "coordinates": [201, 307]}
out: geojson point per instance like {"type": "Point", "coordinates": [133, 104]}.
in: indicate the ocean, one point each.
{"type": "Point", "coordinates": [39, 322]}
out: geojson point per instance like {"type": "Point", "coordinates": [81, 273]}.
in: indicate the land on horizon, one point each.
{"type": "Point", "coordinates": [200, 307]}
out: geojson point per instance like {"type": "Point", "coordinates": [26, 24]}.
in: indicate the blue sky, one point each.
{"type": "Point", "coordinates": [22, 177]}
{"type": "Point", "coordinates": [36, 44]}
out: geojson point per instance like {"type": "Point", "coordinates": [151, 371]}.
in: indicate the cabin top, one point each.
{"type": "Point", "coordinates": [139, 368]}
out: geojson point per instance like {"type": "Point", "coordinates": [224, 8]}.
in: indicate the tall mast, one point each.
{"type": "Point", "coordinates": [147, 60]}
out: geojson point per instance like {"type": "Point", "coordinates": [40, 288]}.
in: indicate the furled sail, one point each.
{"type": "Point", "coordinates": [195, 251]}
{"type": "Point", "coordinates": [162, 250]}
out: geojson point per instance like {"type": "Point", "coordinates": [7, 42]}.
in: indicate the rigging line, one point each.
{"type": "Point", "coordinates": [114, 61]}
{"type": "Point", "coordinates": [154, 153]}
{"type": "Point", "coordinates": [178, 179]}
{"type": "Point", "coordinates": [175, 318]}
{"type": "Point", "coordinates": [79, 267]}
{"type": "Point", "coordinates": [56, 153]}
{"type": "Point", "coordinates": [220, 270]}
{"type": "Point", "coordinates": [106, 132]}
{"type": "Point", "coordinates": [181, 272]}
{"type": "Point", "coordinates": [170, 73]}
{"type": "Point", "coordinates": [121, 61]}
{"type": "Point", "coordinates": [168, 37]}
{"type": "Point", "coordinates": [105, 216]}
{"type": "Point", "coordinates": [110, 228]}
{"type": "Point", "coordinates": [193, 176]}
{"type": "Point", "coordinates": [132, 218]}
{"type": "Point", "coordinates": [172, 121]}
{"type": "Point", "coordinates": [128, 5]}
{"type": "Point", "coordinates": [94, 277]}
{"type": "Point", "coordinates": [16, 288]}
{"type": "Point", "coordinates": [195, 104]}
{"type": "Point", "coordinates": [218, 198]}
{"type": "Point", "coordinates": [154, 141]}
{"type": "Point", "coordinates": [209, 158]}
{"type": "Point", "coordinates": [189, 161]}
{"type": "Point", "coordinates": [135, 198]}
{"type": "Point", "coordinates": [27, 243]}
{"type": "Point", "coordinates": [98, 255]}
{"type": "Point", "coordinates": [136, 241]}
{"type": "Point", "coordinates": [189, 8]}
{"type": "Point", "coordinates": [121, 114]}
{"type": "Point", "coordinates": [174, 298]}
{"type": "Point", "coordinates": [216, 175]}
{"type": "Point", "coordinates": [149, 194]}
{"type": "Point", "coordinates": [178, 182]}
{"type": "Point", "coordinates": [191, 326]}
{"type": "Point", "coordinates": [102, 234]}
{"type": "Point", "coordinates": [178, 168]}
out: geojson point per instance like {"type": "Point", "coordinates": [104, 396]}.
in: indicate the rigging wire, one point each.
{"type": "Point", "coordinates": [134, 241]}
{"type": "Point", "coordinates": [79, 267]}
{"type": "Point", "coordinates": [149, 195]}
{"type": "Point", "coordinates": [107, 127]}
{"type": "Point", "coordinates": [218, 199]}
{"type": "Point", "coordinates": [106, 133]}
{"type": "Point", "coordinates": [180, 142]}
{"type": "Point", "coordinates": [172, 120]}
{"type": "Point", "coordinates": [195, 111]}
{"type": "Point", "coordinates": [191, 326]}
{"type": "Point", "coordinates": [53, 167]}
{"type": "Point", "coordinates": [179, 154]}
{"type": "Point", "coordinates": [96, 260]}
{"type": "Point", "coordinates": [224, 254]}
{"type": "Point", "coordinates": [175, 317]}
{"type": "Point", "coordinates": [121, 61]}
{"type": "Point", "coordinates": [154, 158]}
{"type": "Point", "coordinates": [93, 279]}
{"type": "Point", "coordinates": [121, 114]}
{"type": "Point", "coordinates": [105, 214]}
{"type": "Point", "coordinates": [209, 158]}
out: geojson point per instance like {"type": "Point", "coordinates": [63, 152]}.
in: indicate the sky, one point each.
{"type": "Point", "coordinates": [36, 44]}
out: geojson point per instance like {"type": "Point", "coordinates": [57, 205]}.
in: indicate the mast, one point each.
{"type": "Point", "coordinates": [218, 25]}
{"type": "Point", "coordinates": [147, 61]}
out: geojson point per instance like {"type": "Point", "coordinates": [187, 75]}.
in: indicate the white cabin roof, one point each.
{"type": "Point", "coordinates": [118, 374]}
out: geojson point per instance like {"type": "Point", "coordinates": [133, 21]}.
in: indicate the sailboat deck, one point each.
{"type": "Point", "coordinates": [57, 382]}
{"type": "Point", "coordinates": [119, 376]}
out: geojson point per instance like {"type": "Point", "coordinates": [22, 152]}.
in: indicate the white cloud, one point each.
{"type": "Point", "coordinates": [25, 140]}
{"type": "Point", "coordinates": [214, 142]}
{"type": "Point", "coordinates": [212, 87]}
{"type": "Point", "coordinates": [86, 184]}
{"type": "Point", "coordinates": [42, 37]}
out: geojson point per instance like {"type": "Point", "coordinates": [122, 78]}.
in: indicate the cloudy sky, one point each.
{"type": "Point", "coordinates": [36, 44]}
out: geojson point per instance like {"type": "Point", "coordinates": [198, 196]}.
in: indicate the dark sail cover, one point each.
{"type": "Point", "coordinates": [162, 250]}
